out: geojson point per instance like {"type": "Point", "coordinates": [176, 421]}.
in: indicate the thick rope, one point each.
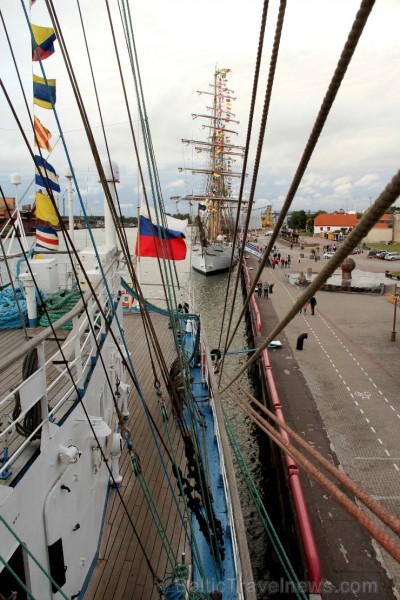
{"type": "Point", "coordinates": [340, 71]}
{"type": "Point", "coordinates": [374, 506]}
{"type": "Point", "coordinates": [267, 101]}
{"type": "Point", "coordinates": [383, 539]}
{"type": "Point", "coordinates": [380, 206]}
{"type": "Point", "coordinates": [10, 314]}
{"type": "Point", "coordinates": [59, 304]}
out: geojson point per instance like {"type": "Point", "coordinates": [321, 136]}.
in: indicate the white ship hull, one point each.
{"type": "Point", "coordinates": [213, 259]}
{"type": "Point", "coordinates": [54, 494]}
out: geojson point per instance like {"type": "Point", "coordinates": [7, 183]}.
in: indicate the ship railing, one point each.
{"type": "Point", "coordinates": [244, 575]}
{"type": "Point", "coordinates": [51, 385]}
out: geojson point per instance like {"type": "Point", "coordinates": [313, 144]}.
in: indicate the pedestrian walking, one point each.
{"type": "Point", "coordinates": [271, 287]}
{"type": "Point", "coordinates": [266, 289]}
{"type": "Point", "coordinates": [305, 308]}
{"type": "Point", "coordinates": [313, 304]}
{"type": "Point", "coordinates": [259, 289]}
{"type": "Point", "coordinates": [282, 262]}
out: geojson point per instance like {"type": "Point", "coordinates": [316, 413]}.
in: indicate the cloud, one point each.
{"type": "Point", "coordinates": [357, 151]}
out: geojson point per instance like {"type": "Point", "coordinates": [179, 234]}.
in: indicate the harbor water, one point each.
{"type": "Point", "coordinates": [209, 300]}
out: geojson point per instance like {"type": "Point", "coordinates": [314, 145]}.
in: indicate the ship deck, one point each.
{"type": "Point", "coordinates": [122, 570]}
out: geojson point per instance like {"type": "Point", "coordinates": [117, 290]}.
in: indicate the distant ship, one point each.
{"type": "Point", "coordinates": [212, 246]}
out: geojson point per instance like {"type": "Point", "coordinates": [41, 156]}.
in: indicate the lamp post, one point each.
{"type": "Point", "coordinates": [15, 179]}
{"type": "Point", "coordinates": [393, 334]}
{"type": "Point", "coordinates": [68, 175]}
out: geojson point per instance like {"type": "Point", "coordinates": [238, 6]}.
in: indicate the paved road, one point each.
{"type": "Point", "coordinates": [351, 369]}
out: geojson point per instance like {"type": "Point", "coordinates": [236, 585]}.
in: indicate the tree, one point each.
{"type": "Point", "coordinates": [297, 219]}
{"type": "Point", "coordinates": [310, 220]}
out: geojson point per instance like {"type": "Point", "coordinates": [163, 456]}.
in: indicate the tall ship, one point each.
{"type": "Point", "coordinates": [214, 246]}
{"type": "Point", "coordinates": [121, 432]}
{"type": "Point", "coordinates": [116, 478]}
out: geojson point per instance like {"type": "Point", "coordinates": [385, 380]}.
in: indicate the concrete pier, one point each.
{"type": "Point", "coordinates": [342, 394]}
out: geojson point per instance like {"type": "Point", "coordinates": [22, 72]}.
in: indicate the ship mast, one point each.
{"type": "Point", "coordinates": [215, 206]}
{"type": "Point", "coordinates": [217, 197]}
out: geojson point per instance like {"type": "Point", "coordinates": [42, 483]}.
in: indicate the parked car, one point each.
{"type": "Point", "coordinates": [329, 254]}
{"type": "Point", "coordinates": [373, 253]}
{"type": "Point", "coordinates": [392, 256]}
{"type": "Point", "coordinates": [382, 254]}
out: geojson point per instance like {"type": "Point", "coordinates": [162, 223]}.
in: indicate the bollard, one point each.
{"type": "Point", "coordinates": [300, 341]}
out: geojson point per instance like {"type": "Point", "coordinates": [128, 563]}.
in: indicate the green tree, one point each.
{"type": "Point", "coordinates": [297, 219]}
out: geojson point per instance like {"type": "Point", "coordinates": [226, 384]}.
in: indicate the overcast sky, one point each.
{"type": "Point", "coordinates": [179, 44]}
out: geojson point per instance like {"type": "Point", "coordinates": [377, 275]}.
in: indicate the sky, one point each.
{"type": "Point", "coordinates": [179, 44]}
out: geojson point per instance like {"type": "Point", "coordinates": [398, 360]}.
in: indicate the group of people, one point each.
{"type": "Point", "coordinates": [277, 260]}
{"type": "Point", "coordinates": [265, 287]}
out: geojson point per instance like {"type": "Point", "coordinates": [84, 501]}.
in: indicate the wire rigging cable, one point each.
{"type": "Point", "coordinates": [340, 71]}
{"type": "Point", "coordinates": [267, 99]}
{"type": "Point", "coordinates": [93, 149]}
{"type": "Point", "coordinates": [380, 206]}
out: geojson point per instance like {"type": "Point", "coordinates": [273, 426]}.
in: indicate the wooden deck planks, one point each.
{"type": "Point", "coordinates": [122, 570]}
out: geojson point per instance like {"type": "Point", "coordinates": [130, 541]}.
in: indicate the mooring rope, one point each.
{"type": "Point", "coordinates": [388, 543]}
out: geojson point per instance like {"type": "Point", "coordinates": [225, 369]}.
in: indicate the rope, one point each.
{"type": "Point", "coordinates": [380, 206]}
{"type": "Point", "coordinates": [33, 417]}
{"type": "Point", "coordinates": [388, 543]}
{"type": "Point", "coordinates": [262, 511]}
{"type": "Point", "coordinates": [11, 282]}
{"type": "Point", "coordinates": [267, 100]}
{"type": "Point", "coordinates": [340, 71]}
{"type": "Point", "coordinates": [386, 517]}
{"type": "Point", "coordinates": [57, 305]}
{"type": "Point", "coordinates": [25, 547]}
{"type": "Point", "coordinates": [9, 313]}
{"type": "Point", "coordinates": [178, 475]}
{"type": "Point", "coordinates": [174, 315]}
{"type": "Point", "coordinates": [153, 510]}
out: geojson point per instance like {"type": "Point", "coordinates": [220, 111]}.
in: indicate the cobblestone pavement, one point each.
{"type": "Point", "coordinates": [351, 367]}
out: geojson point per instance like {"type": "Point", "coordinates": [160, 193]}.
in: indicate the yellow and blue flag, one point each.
{"type": "Point", "coordinates": [46, 175]}
{"type": "Point", "coordinates": [43, 39]}
{"type": "Point", "coordinates": [44, 95]}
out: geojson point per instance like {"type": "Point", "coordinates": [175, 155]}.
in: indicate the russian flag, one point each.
{"type": "Point", "coordinates": [46, 238]}
{"type": "Point", "coordinates": [46, 175]}
{"type": "Point", "coordinates": [42, 42]}
{"type": "Point", "coordinates": [160, 242]}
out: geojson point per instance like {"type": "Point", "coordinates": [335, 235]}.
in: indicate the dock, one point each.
{"type": "Point", "coordinates": [341, 392]}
